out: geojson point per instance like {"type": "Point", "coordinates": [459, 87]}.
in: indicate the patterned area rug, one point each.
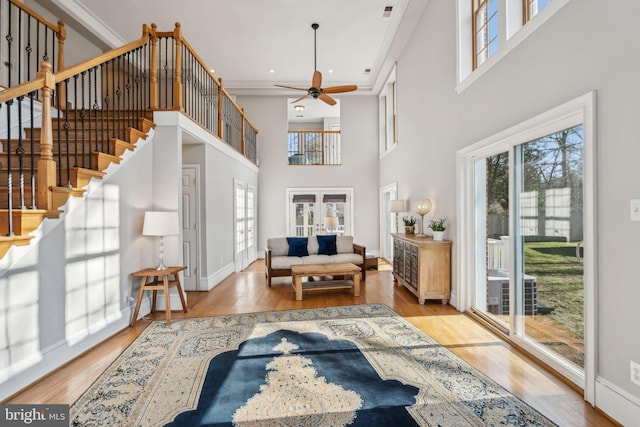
{"type": "Point", "coordinates": [357, 365]}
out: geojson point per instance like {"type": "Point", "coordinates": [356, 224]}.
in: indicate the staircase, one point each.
{"type": "Point", "coordinates": [59, 130]}
{"type": "Point", "coordinates": [80, 156]}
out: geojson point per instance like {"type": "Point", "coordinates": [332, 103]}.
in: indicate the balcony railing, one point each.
{"type": "Point", "coordinates": [314, 147]}
{"type": "Point", "coordinates": [76, 113]}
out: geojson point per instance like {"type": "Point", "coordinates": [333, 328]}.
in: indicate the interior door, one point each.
{"type": "Point", "coordinates": [190, 243]}
{"type": "Point", "coordinates": [252, 250]}
{"type": "Point", "coordinates": [240, 220]}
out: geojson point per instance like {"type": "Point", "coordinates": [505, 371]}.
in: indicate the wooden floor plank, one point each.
{"type": "Point", "coordinates": [247, 292]}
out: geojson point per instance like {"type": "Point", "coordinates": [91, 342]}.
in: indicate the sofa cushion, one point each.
{"type": "Point", "coordinates": [312, 245]}
{"type": "Point", "coordinates": [352, 258]}
{"type": "Point", "coordinates": [284, 262]}
{"type": "Point", "coordinates": [297, 246]}
{"type": "Point", "coordinates": [318, 259]}
{"type": "Point", "coordinates": [327, 244]}
{"type": "Point", "coordinates": [344, 244]}
{"type": "Point", "coordinates": [278, 246]}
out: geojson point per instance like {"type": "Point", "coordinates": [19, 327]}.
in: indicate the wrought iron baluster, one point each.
{"type": "Point", "coordinates": [66, 130]}
{"type": "Point", "coordinates": [20, 153]}
{"type": "Point", "coordinates": [95, 106]}
{"type": "Point", "coordinates": [9, 172]}
{"type": "Point", "coordinates": [105, 102]}
{"type": "Point", "coordinates": [75, 121]}
{"type": "Point", "coordinates": [33, 153]}
{"type": "Point", "coordinates": [59, 109]}
{"type": "Point", "coordinates": [9, 39]}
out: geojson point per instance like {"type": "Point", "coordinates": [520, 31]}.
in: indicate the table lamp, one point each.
{"type": "Point", "coordinates": [422, 207]}
{"type": "Point", "coordinates": [331, 224]}
{"type": "Point", "coordinates": [161, 223]}
{"type": "Point", "coordinates": [397, 207]}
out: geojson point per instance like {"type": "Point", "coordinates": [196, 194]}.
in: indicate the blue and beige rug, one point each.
{"type": "Point", "coordinates": [358, 365]}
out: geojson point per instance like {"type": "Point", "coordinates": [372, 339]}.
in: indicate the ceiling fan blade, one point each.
{"type": "Point", "coordinates": [317, 79]}
{"type": "Point", "coordinates": [291, 87]}
{"type": "Point", "coordinates": [299, 99]}
{"type": "Point", "coordinates": [326, 98]}
{"type": "Point", "coordinates": [340, 89]}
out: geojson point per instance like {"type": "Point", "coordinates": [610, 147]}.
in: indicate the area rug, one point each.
{"type": "Point", "coordinates": [359, 365]}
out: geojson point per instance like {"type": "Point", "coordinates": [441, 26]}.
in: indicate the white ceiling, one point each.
{"type": "Point", "coordinates": [243, 39]}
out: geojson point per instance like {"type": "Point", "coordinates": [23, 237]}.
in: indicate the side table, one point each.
{"type": "Point", "coordinates": [157, 284]}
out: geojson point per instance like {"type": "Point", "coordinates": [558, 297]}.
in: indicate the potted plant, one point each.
{"type": "Point", "coordinates": [438, 227]}
{"type": "Point", "coordinates": [409, 224]}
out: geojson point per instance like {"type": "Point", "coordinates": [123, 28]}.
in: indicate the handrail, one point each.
{"type": "Point", "coordinates": [57, 29]}
{"type": "Point", "coordinates": [104, 57]}
{"type": "Point", "coordinates": [26, 27]}
{"type": "Point", "coordinates": [213, 77]}
{"type": "Point", "coordinates": [104, 96]}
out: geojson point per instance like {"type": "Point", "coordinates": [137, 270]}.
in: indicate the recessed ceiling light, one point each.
{"type": "Point", "coordinates": [272, 71]}
{"type": "Point", "coordinates": [212, 70]}
{"type": "Point", "coordinates": [298, 108]}
{"type": "Point", "coordinates": [330, 71]}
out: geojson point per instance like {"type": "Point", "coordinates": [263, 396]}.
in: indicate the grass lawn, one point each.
{"type": "Point", "coordinates": [559, 279]}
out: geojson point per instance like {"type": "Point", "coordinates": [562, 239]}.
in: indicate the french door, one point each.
{"type": "Point", "coordinates": [245, 224]}
{"type": "Point", "coordinates": [529, 214]}
{"type": "Point", "coordinates": [312, 211]}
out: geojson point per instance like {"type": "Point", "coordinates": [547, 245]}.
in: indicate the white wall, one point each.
{"type": "Point", "coordinates": [359, 169]}
{"type": "Point", "coordinates": [71, 290]}
{"type": "Point", "coordinates": [588, 45]}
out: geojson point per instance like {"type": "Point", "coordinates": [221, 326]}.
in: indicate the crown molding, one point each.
{"type": "Point", "coordinates": [90, 22]}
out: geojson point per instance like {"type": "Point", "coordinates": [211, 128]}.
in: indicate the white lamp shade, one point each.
{"type": "Point", "coordinates": [161, 223]}
{"type": "Point", "coordinates": [398, 206]}
{"type": "Point", "coordinates": [331, 222]}
{"type": "Point", "coordinates": [422, 207]}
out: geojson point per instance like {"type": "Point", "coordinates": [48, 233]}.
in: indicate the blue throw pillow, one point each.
{"type": "Point", "coordinates": [297, 246]}
{"type": "Point", "coordinates": [327, 245]}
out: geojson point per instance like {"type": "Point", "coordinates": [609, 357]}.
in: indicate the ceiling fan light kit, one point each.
{"type": "Point", "coordinates": [316, 91]}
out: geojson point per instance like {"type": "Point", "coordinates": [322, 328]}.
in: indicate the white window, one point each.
{"type": "Point", "coordinates": [387, 114]}
{"type": "Point", "coordinates": [489, 29]}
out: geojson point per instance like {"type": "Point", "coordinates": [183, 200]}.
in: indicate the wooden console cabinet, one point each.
{"type": "Point", "coordinates": [423, 266]}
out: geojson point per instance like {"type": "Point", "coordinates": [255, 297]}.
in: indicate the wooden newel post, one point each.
{"type": "Point", "coordinates": [153, 74]}
{"type": "Point", "coordinates": [46, 164]}
{"type": "Point", "coordinates": [177, 84]}
{"type": "Point", "coordinates": [61, 34]}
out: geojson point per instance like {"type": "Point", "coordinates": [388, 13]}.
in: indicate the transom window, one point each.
{"type": "Point", "coordinates": [532, 7]}
{"type": "Point", "coordinates": [485, 30]}
{"type": "Point", "coordinates": [489, 29]}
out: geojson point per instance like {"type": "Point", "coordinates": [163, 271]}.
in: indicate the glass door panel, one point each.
{"type": "Point", "coordinates": [550, 289]}
{"type": "Point", "coordinates": [491, 181]}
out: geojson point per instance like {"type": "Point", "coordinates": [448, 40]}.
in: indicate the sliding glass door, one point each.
{"type": "Point", "coordinates": [528, 266]}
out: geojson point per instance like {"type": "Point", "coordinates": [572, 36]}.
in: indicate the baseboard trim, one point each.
{"type": "Point", "coordinates": [208, 283]}
{"type": "Point", "coordinates": [617, 403]}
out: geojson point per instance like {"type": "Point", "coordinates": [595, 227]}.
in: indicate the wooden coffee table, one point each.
{"type": "Point", "coordinates": [339, 269]}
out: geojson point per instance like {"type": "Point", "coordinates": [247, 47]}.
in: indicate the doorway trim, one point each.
{"type": "Point", "coordinates": [385, 219]}
{"type": "Point", "coordinates": [582, 109]}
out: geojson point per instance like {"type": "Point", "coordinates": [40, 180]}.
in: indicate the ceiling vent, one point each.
{"type": "Point", "coordinates": [367, 70]}
{"type": "Point", "coordinates": [387, 11]}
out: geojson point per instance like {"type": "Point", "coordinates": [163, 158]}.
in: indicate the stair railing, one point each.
{"type": "Point", "coordinates": [86, 108]}
{"type": "Point", "coordinates": [27, 39]}
{"type": "Point", "coordinates": [187, 84]}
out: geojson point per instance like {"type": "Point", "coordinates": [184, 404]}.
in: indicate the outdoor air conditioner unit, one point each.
{"type": "Point", "coordinates": [498, 283]}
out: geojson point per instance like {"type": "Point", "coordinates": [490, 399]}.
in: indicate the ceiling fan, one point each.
{"type": "Point", "coordinates": [316, 90]}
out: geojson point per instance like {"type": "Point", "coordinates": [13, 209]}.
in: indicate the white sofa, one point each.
{"type": "Point", "coordinates": [278, 262]}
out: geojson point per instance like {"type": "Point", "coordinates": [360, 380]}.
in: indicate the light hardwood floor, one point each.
{"type": "Point", "coordinates": [247, 292]}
